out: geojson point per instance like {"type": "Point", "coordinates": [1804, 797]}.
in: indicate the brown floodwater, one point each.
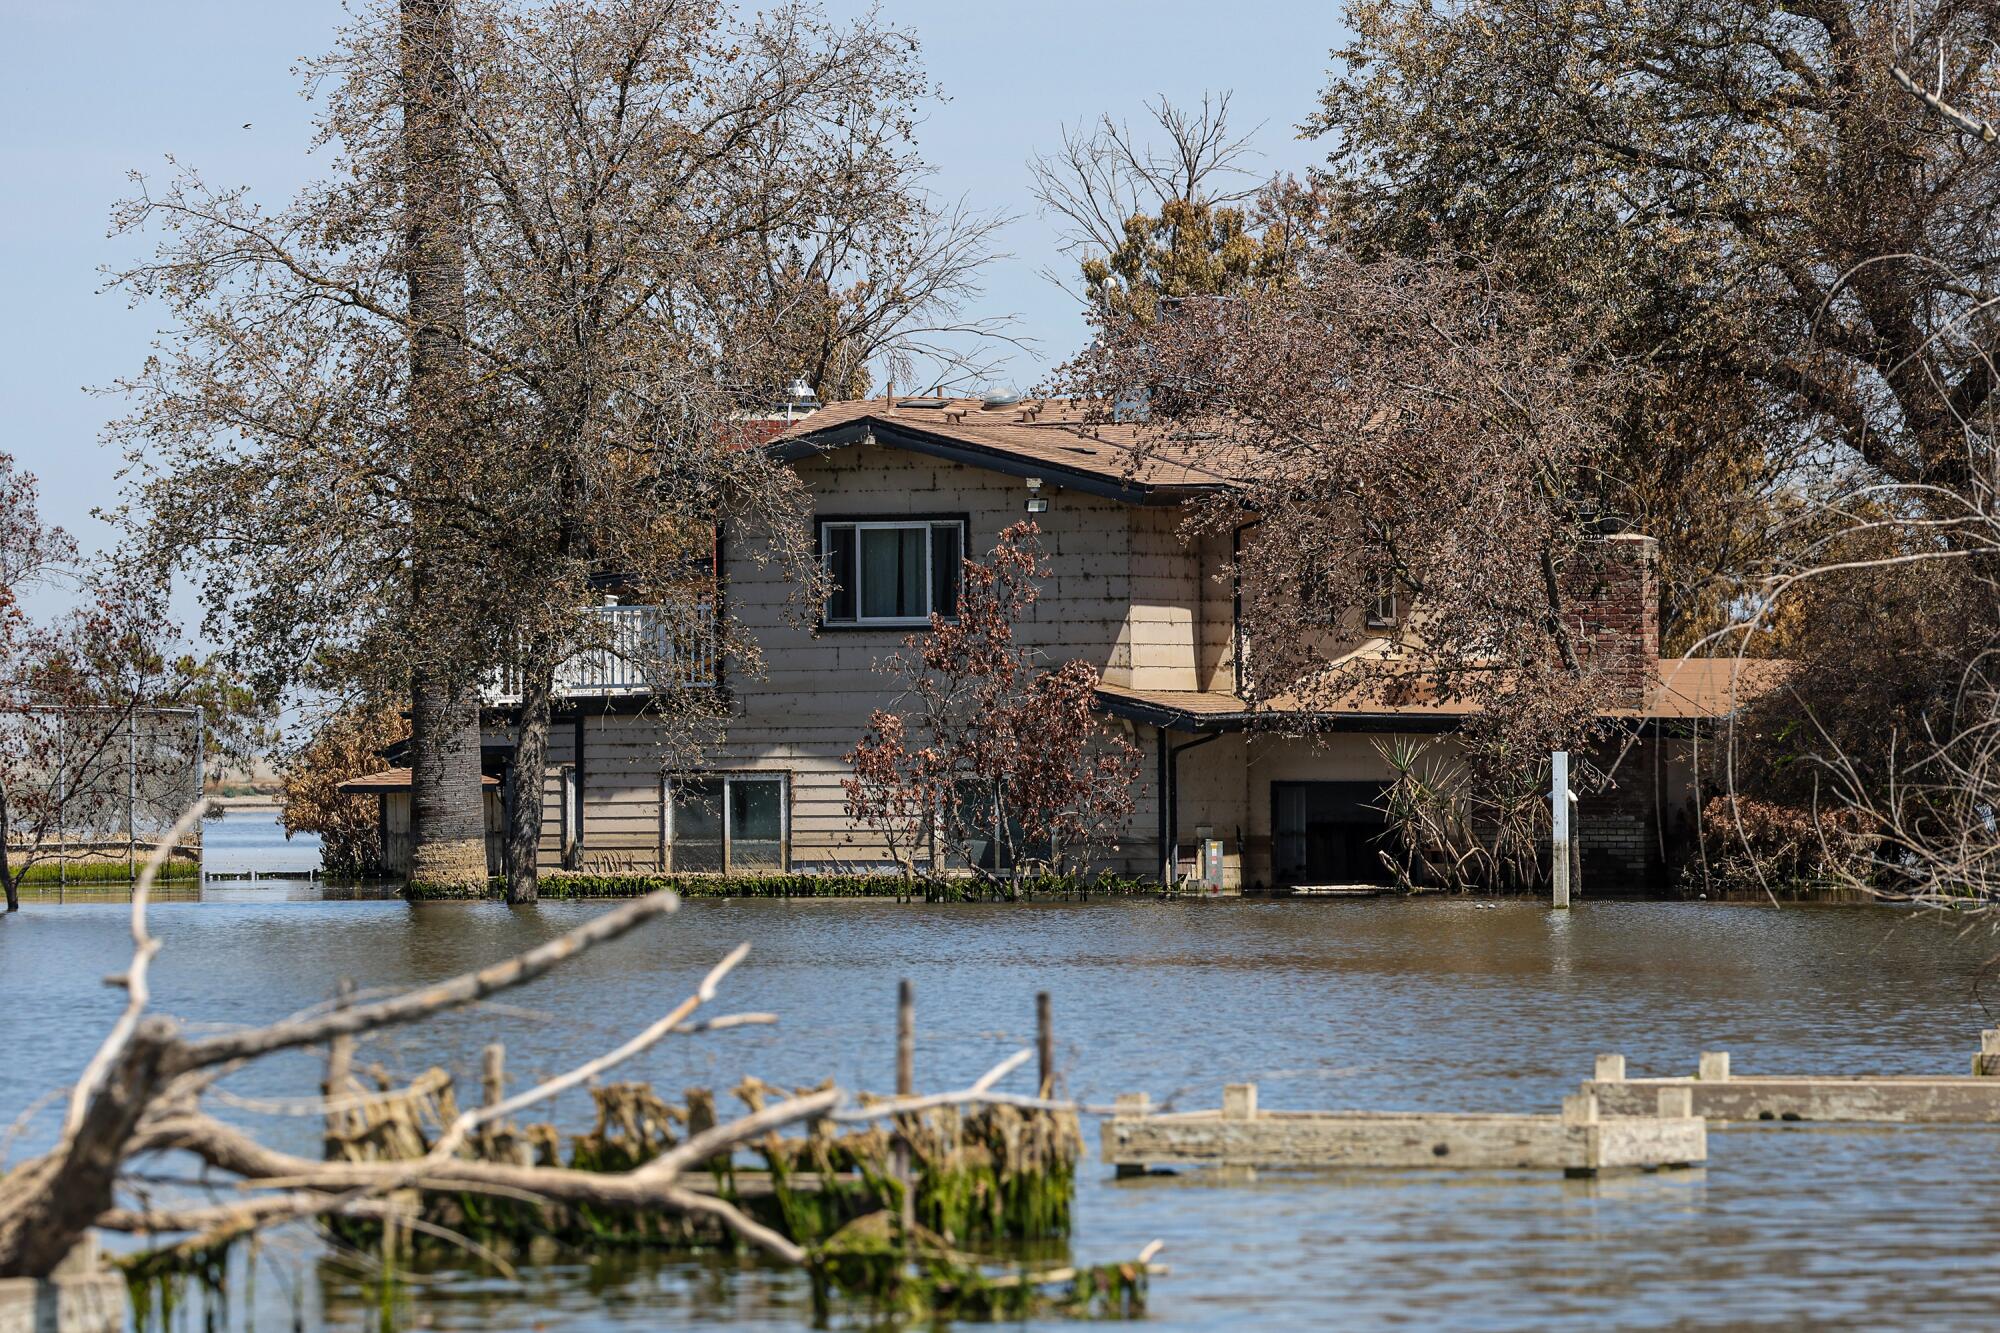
{"type": "Point", "coordinates": [1451, 1005]}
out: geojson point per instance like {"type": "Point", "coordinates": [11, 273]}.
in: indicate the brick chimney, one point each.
{"type": "Point", "coordinates": [1615, 590]}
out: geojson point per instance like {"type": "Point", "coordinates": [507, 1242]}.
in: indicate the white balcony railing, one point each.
{"type": "Point", "coordinates": [643, 649]}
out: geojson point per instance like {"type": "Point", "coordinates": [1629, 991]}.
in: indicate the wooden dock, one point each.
{"type": "Point", "coordinates": [1578, 1141]}
{"type": "Point", "coordinates": [1717, 1093]}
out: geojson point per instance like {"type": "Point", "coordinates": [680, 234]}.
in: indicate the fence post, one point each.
{"type": "Point", "coordinates": [62, 802]}
{"type": "Point", "coordinates": [1559, 825]}
{"type": "Point", "coordinates": [132, 795]}
{"type": "Point", "coordinates": [200, 759]}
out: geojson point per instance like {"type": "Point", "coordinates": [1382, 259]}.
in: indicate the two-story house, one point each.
{"type": "Point", "coordinates": [902, 490]}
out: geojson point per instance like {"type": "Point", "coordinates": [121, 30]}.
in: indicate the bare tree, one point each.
{"type": "Point", "coordinates": [1412, 449]}
{"type": "Point", "coordinates": [999, 756]}
{"type": "Point", "coordinates": [1102, 177]}
{"type": "Point", "coordinates": [669, 212]}
{"type": "Point", "coordinates": [1881, 753]}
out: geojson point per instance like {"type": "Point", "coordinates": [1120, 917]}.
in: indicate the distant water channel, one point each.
{"type": "Point", "coordinates": [1378, 1004]}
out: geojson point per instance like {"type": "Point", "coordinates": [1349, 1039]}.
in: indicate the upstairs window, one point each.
{"type": "Point", "coordinates": [891, 572]}
{"type": "Point", "coordinates": [1382, 611]}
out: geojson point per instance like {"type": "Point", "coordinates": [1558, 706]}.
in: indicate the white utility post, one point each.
{"type": "Point", "coordinates": [1559, 821]}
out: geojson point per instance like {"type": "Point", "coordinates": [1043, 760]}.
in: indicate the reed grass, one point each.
{"type": "Point", "coordinates": [48, 873]}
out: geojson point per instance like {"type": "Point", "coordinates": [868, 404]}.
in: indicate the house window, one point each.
{"type": "Point", "coordinates": [891, 573]}
{"type": "Point", "coordinates": [727, 823]}
{"type": "Point", "coordinates": [1382, 611]}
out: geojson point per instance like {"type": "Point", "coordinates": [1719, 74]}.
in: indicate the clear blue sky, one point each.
{"type": "Point", "coordinates": [92, 89]}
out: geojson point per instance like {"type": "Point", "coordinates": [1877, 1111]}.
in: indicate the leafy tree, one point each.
{"type": "Point", "coordinates": [84, 751]}
{"type": "Point", "coordinates": [346, 744]}
{"type": "Point", "coordinates": [649, 189]}
{"type": "Point", "coordinates": [1794, 259]}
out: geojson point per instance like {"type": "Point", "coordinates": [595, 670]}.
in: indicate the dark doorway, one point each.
{"type": "Point", "coordinates": [1327, 833]}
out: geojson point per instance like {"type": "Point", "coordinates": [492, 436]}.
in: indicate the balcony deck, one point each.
{"type": "Point", "coordinates": [641, 650]}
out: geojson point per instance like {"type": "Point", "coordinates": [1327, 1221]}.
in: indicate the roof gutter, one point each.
{"type": "Point", "coordinates": [794, 447]}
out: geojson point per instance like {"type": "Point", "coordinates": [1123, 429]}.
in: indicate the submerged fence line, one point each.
{"type": "Point", "coordinates": [87, 784]}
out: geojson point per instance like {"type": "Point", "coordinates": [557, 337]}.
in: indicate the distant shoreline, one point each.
{"type": "Point", "coordinates": [244, 803]}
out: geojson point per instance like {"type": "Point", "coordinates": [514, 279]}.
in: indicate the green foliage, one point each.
{"type": "Point", "coordinates": [345, 745]}
{"type": "Point", "coordinates": [1190, 249]}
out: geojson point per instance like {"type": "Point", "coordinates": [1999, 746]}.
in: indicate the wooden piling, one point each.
{"type": "Point", "coordinates": [1610, 1068]}
{"type": "Point", "coordinates": [493, 1090]}
{"type": "Point", "coordinates": [1239, 1101]}
{"type": "Point", "coordinates": [339, 1073]}
{"type": "Point", "coordinates": [1559, 828]}
{"type": "Point", "coordinates": [1986, 1064]}
{"type": "Point", "coordinates": [906, 1085]}
{"type": "Point", "coordinates": [1713, 1067]}
{"type": "Point", "coordinates": [1045, 1043]}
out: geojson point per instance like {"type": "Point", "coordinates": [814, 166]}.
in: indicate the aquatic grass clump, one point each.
{"type": "Point", "coordinates": [870, 1263]}
{"type": "Point", "coordinates": [994, 1173]}
{"type": "Point", "coordinates": [160, 1283]}
{"type": "Point", "coordinates": [996, 1176]}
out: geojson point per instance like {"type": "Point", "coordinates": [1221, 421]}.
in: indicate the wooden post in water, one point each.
{"type": "Point", "coordinates": [493, 1088]}
{"type": "Point", "coordinates": [906, 1038]}
{"type": "Point", "coordinates": [1559, 826]}
{"type": "Point", "coordinates": [339, 1074]}
{"type": "Point", "coordinates": [906, 1086]}
{"type": "Point", "coordinates": [1045, 1042]}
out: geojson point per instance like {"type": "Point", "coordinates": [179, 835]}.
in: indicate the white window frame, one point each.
{"type": "Point", "coordinates": [861, 525]}
{"type": "Point", "coordinates": [1382, 611]}
{"type": "Point", "coordinates": [727, 779]}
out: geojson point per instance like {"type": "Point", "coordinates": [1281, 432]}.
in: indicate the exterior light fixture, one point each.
{"type": "Point", "coordinates": [1037, 502]}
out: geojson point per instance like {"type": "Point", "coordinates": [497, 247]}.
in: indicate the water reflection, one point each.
{"type": "Point", "coordinates": [1379, 1005]}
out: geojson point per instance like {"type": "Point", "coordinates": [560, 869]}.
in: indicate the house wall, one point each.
{"type": "Point", "coordinates": [1124, 592]}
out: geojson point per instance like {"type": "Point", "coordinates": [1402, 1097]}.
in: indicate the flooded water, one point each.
{"type": "Point", "coordinates": [249, 840]}
{"type": "Point", "coordinates": [1382, 1004]}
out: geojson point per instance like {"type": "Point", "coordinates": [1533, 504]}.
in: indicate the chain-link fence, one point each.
{"type": "Point", "coordinates": [88, 790]}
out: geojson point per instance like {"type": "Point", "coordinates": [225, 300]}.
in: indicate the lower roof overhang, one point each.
{"type": "Point", "coordinates": [1156, 712]}
{"type": "Point", "coordinates": [1214, 713]}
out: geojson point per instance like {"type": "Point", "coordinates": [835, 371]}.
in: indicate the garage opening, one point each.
{"type": "Point", "coordinates": [1327, 833]}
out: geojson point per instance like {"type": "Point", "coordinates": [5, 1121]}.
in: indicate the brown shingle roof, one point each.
{"type": "Point", "coordinates": [1048, 434]}
{"type": "Point", "coordinates": [392, 779]}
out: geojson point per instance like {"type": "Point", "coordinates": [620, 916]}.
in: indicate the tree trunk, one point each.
{"type": "Point", "coordinates": [447, 807]}
{"type": "Point", "coordinates": [8, 880]}
{"type": "Point", "coordinates": [447, 804]}
{"type": "Point", "coordinates": [526, 779]}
